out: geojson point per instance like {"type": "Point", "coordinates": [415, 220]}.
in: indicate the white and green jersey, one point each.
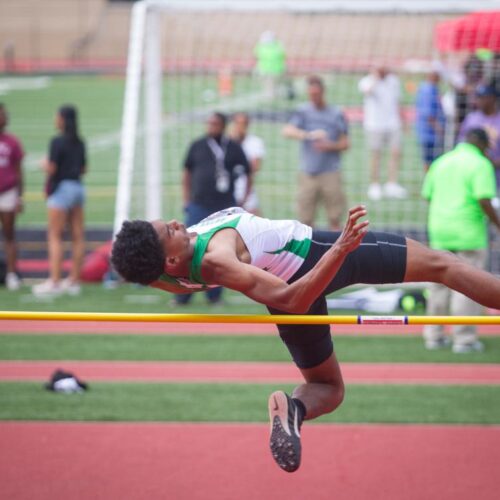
{"type": "Point", "coordinates": [276, 246]}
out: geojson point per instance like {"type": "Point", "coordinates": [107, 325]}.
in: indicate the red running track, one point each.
{"type": "Point", "coordinates": [207, 372]}
{"type": "Point", "coordinates": [99, 461]}
{"type": "Point", "coordinates": [96, 327]}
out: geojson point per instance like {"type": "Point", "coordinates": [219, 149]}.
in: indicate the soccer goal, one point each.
{"type": "Point", "coordinates": [188, 58]}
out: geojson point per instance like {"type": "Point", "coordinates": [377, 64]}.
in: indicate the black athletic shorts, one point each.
{"type": "Point", "coordinates": [381, 258]}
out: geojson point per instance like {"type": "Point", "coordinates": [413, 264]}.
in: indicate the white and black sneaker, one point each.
{"type": "Point", "coordinates": [284, 442]}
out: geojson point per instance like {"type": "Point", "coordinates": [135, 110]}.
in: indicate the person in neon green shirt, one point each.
{"type": "Point", "coordinates": [459, 186]}
{"type": "Point", "coordinates": [271, 62]}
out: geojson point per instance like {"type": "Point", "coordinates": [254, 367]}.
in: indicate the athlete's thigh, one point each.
{"type": "Point", "coordinates": [309, 345]}
{"type": "Point", "coordinates": [424, 263]}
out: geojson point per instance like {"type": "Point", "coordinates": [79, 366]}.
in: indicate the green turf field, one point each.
{"type": "Point", "coordinates": [100, 101]}
{"type": "Point", "coordinates": [221, 401]}
{"type": "Point", "coordinates": [125, 298]}
{"type": "Point", "coordinates": [247, 403]}
{"type": "Point", "coordinates": [379, 349]}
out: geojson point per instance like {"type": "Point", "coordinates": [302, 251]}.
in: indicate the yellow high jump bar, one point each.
{"type": "Point", "coordinates": [249, 318]}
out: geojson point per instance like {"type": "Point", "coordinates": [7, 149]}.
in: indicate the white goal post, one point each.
{"type": "Point", "coordinates": [144, 76]}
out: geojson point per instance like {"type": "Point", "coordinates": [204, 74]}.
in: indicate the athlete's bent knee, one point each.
{"type": "Point", "coordinates": [336, 397]}
{"type": "Point", "coordinates": [442, 261]}
{"type": "Point", "coordinates": [437, 265]}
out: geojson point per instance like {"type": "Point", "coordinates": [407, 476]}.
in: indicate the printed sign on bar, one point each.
{"type": "Point", "coordinates": [382, 320]}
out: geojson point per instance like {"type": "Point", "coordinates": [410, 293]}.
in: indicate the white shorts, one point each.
{"type": "Point", "coordinates": [8, 200]}
{"type": "Point", "coordinates": [378, 139]}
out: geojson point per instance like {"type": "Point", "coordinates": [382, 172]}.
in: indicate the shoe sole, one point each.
{"type": "Point", "coordinates": [285, 435]}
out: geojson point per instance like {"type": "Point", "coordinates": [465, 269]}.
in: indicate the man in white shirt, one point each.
{"type": "Point", "coordinates": [254, 150]}
{"type": "Point", "coordinates": [383, 123]}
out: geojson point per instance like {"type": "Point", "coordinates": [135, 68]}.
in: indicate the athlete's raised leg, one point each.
{"type": "Point", "coordinates": [426, 264]}
{"type": "Point", "coordinates": [322, 392]}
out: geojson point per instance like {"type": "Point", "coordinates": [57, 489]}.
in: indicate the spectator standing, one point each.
{"type": "Point", "coordinates": [271, 62]}
{"type": "Point", "coordinates": [65, 166]}
{"type": "Point", "coordinates": [254, 149]}
{"type": "Point", "coordinates": [382, 123]}
{"type": "Point", "coordinates": [471, 77]}
{"type": "Point", "coordinates": [323, 131]}
{"type": "Point", "coordinates": [460, 186]}
{"type": "Point", "coordinates": [211, 167]}
{"type": "Point", "coordinates": [11, 192]}
{"type": "Point", "coordinates": [430, 119]}
{"type": "Point", "coordinates": [486, 116]}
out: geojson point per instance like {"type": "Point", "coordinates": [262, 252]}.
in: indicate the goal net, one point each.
{"type": "Point", "coordinates": [190, 58]}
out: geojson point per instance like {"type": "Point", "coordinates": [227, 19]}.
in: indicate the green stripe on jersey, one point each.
{"type": "Point", "coordinates": [200, 247]}
{"type": "Point", "coordinates": [299, 248]}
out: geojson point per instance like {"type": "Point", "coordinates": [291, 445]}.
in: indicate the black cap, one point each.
{"type": "Point", "coordinates": [485, 90]}
{"type": "Point", "coordinates": [478, 134]}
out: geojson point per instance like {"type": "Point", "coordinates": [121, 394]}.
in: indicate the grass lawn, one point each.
{"type": "Point", "coordinates": [247, 403]}
{"type": "Point", "coordinates": [125, 298]}
{"type": "Point", "coordinates": [381, 349]}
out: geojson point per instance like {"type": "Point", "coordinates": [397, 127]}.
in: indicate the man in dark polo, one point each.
{"type": "Point", "coordinates": [212, 164]}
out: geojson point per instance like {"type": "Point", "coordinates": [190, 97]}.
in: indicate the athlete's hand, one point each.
{"type": "Point", "coordinates": [354, 230]}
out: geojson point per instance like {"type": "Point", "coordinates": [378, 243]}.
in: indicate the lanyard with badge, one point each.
{"type": "Point", "coordinates": [222, 183]}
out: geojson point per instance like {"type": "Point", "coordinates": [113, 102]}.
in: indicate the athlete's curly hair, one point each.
{"type": "Point", "coordinates": [137, 253]}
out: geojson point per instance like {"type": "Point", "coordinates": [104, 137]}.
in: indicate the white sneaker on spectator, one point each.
{"type": "Point", "coordinates": [71, 287]}
{"type": "Point", "coordinates": [47, 288]}
{"type": "Point", "coordinates": [12, 281]}
{"type": "Point", "coordinates": [375, 191]}
{"type": "Point", "coordinates": [436, 344]}
{"type": "Point", "coordinates": [395, 190]}
{"type": "Point", "coordinates": [476, 346]}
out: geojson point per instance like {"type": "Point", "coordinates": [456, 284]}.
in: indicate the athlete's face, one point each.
{"type": "Point", "coordinates": [174, 239]}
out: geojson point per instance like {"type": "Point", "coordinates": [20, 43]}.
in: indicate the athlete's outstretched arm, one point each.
{"type": "Point", "coordinates": [297, 297]}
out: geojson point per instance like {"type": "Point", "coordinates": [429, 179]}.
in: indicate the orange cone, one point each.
{"type": "Point", "coordinates": [225, 81]}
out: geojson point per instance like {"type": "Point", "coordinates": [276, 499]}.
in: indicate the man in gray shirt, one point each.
{"type": "Point", "coordinates": [323, 131]}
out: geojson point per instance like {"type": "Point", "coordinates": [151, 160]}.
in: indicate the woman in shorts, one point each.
{"type": "Point", "coordinates": [65, 167]}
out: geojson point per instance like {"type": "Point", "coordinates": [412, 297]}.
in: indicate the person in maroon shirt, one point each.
{"type": "Point", "coordinates": [11, 190]}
